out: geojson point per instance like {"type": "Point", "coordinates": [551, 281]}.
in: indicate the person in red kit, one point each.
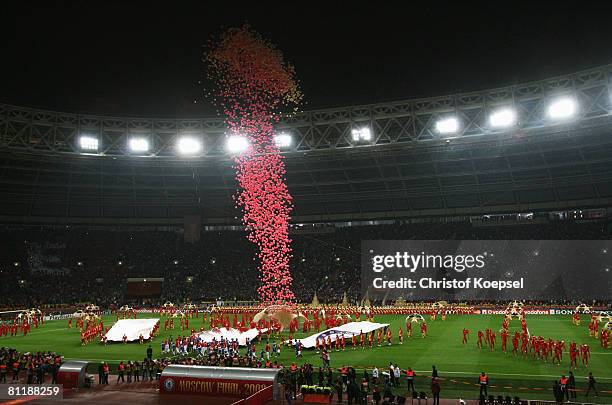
{"type": "Point", "coordinates": [504, 339]}
{"type": "Point", "coordinates": [466, 332]}
{"type": "Point", "coordinates": [604, 338]}
{"type": "Point", "coordinates": [524, 340]}
{"type": "Point", "coordinates": [585, 352]}
{"type": "Point", "coordinates": [479, 342]}
{"type": "Point", "coordinates": [558, 356]}
{"type": "Point", "coordinates": [515, 342]}
{"type": "Point", "coordinates": [573, 353]}
{"type": "Point", "coordinates": [423, 330]}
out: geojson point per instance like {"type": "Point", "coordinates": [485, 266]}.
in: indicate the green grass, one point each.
{"type": "Point", "coordinates": [456, 363]}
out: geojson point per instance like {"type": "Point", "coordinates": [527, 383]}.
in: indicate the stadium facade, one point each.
{"type": "Point", "coordinates": [405, 168]}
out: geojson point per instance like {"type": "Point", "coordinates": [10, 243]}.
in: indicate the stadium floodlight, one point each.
{"type": "Point", "coordinates": [139, 144]}
{"type": "Point", "coordinates": [361, 134]}
{"type": "Point", "coordinates": [502, 118]}
{"type": "Point", "coordinates": [283, 140]}
{"type": "Point", "coordinates": [237, 144]}
{"type": "Point", "coordinates": [87, 142]}
{"type": "Point", "coordinates": [188, 145]}
{"type": "Point", "coordinates": [562, 108]}
{"type": "Point", "coordinates": [448, 125]}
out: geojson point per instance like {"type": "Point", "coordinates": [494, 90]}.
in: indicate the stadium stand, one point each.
{"type": "Point", "coordinates": [94, 264]}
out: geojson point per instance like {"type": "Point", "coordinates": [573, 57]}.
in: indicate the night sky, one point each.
{"type": "Point", "coordinates": [138, 58]}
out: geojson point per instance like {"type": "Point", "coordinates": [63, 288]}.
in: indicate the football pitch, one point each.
{"type": "Point", "coordinates": [458, 365]}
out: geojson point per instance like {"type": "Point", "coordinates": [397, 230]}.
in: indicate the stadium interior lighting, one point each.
{"type": "Point", "coordinates": [503, 118]}
{"type": "Point", "coordinates": [564, 107]}
{"type": "Point", "coordinates": [87, 142]}
{"type": "Point", "coordinates": [188, 145]}
{"type": "Point", "coordinates": [139, 144]}
{"type": "Point", "coordinates": [448, 125]}
{"type": "Point", "coordinates": [237, 144]}
{"type": "Point", "coordinates": [361, 134]}
{"type": "Point", "coordinates": [283, 140]}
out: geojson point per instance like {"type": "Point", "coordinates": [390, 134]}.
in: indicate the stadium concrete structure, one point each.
{"type": "Point", "coordinates": [404, 165]}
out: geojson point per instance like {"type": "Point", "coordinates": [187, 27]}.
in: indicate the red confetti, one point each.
{"type": "Point", "coordinates": [253, 87]}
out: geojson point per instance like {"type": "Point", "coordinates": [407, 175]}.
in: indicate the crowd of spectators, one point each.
{"type": "Point", "coordinates": [31, 368]}
{"type": "Point", "coordinates": [48, 266]}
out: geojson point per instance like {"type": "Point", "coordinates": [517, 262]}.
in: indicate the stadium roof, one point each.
{"type": "Point", "coordinates": [408, 167]}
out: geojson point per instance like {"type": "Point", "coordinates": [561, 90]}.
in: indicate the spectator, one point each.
{"type": "Point", "coordinates": [591, 382]}
{"type": "Point", "coordinates": [435, 390]}
{"type": "Point", "coordinates": [557, 393]}
{"type": "Point", "coordinates": [571, 385]}
{"type": "Point", "coordinates": [101, 373]}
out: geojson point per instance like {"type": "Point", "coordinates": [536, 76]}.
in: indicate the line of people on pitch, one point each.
{"type": "Point", "coordinates": [147, 370]}
{"type": "Point", "coordinates": [379, 384]}
{"type": "Point", "coordinates": [566, 387]}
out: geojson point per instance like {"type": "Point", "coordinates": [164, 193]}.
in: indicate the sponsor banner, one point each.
{"type": "Point", "coordinates": [532, 311]}
{"type": "Point", "coordinates": [489, 311]}
{"type": "Point", "coordinates": [57, 317]}
{"type": "Point", "coordinates": [489, 270]}
{"type": "Point", "coordinates": [211, 386]}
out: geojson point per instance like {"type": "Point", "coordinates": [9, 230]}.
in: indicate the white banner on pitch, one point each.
{"type": "Point", "coordinates": [231, 334]}
{"type": "Point", "coordinates": [132, 328]}
{"type": "Point", "coordinates": [348, 330]}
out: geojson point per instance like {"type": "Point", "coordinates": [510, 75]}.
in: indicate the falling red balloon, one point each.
{"type": "Point", "coordinates": [254, 86]}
